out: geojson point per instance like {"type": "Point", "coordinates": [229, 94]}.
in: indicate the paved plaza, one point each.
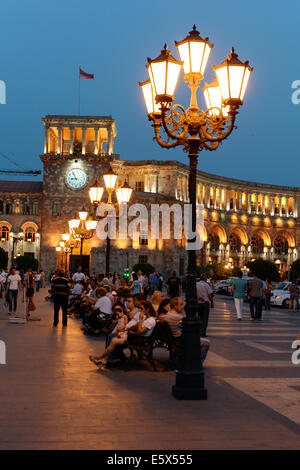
{"type": "Point", "coordinates": [52, 397]}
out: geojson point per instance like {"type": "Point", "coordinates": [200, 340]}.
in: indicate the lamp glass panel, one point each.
{"type": "Point", "coordinates": [65, 237]}
{"type": "Point", "coordinates": [205, 58]}
{"type": "Point", "coordinates": [207, 99]}
{"type": "Point", "coordinates": [95, 194]}
{"type": "Point", "coordinates": [75, 223]}
{"type": "Point", "coordinates": [245, 82]}
{"type": "Point", "coordinates": [110, 181]}
{"type": "Point", "coordinates": [158, 79]}
{"type": "Point", "coordinates": [151, 105]}
{"type": "Point", "coordinates": [58, 248]}
{"type": "Point", "coordinates": [223, 81]}
{"type": "Point", "coordinates": [236, 74]}
{"type": "Point", "coordinates": [82, 215]}
{"type": "Point", "coordinates": [88, 224]}
{"type": "Point", "coordinates": [184, 53]}
{"type": "Point", "coordinates": [197, 49]}
{"type": "Point", "coordinates": [173, 73]}
{"type": "Point", "coordinates": [62, 244]}
{"type": "Point", "coordinates": [123, 195]}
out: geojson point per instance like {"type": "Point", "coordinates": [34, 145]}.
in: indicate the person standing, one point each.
{"type": "Point", "coordinates": [294, 292]}
{"type": "Point", "coordinates": [256, 289]}
{"type": "Point", "coordinates": [205, 301]}
{"type": "Point", "coordinates": [239, 292]}
{"type": "Point", "coordinates": [173, 286]}
{"type": "Point", "coordinates": [13, 285]}
{"type": "Point", "coordinates": [60, 288]}
{"type": "Point", "coordinates": [37, 279]}
{"type": "Point", "coordinates": [153, 281]}
{"type": "Point", "coordinates": [79, 275]}
{"type": "Point", "coordinates": [268, 294]}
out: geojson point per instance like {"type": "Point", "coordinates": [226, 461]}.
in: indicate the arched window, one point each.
{"type": "Point", "coordinates": [1, 207]}
{"type": "Point", "coordinates": [56, 209]}
{"type": "Point", "coordinates": [234, 243]}
{"type": "Point", "coordinates": [4, 233]}
{"type": "Point", "coordinates": [29, 234]}
{"type": "Point", "coordinates": [257, 245]}
{"type": "Point", "coordinates": [214, 241]}
{"type": "Point", "coordinates": [281, 246]}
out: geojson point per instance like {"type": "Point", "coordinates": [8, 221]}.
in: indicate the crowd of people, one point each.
{"type": "Point", "coordinates": [126, 312]}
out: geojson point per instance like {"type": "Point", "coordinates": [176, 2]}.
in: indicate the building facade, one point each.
{"type": "Point", "coordinates": [242, 220]}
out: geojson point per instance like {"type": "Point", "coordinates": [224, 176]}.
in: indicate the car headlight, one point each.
{"type": "Point", "coordinates": [277, 297]}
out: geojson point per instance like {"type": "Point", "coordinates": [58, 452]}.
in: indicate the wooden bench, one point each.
{"type": "Point", "coordinates": [161, 337]}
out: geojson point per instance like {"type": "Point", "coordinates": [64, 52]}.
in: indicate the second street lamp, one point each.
{"type": "Point", "coordinates": [195, 130]}
{"type": "Point", "coordinates": [123, 195]}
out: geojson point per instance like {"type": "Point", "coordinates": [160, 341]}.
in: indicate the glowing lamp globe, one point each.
{"type": "Point", "coordinates": [233, 76]}
{"type": "Point", "coordinates": [164, 74]}
{"type": "Point", "coordinates": [194, 52]}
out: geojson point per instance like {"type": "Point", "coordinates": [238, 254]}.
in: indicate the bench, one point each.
{"type": "Point", "coordinates": [161, 337]}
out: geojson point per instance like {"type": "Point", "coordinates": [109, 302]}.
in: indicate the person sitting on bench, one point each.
{"type": "Point", "coordinates": [144, 328]}
{"type": "Point", "coordinates": [174, 319]}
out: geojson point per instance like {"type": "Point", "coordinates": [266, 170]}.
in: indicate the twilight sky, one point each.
{"type": "Point", "coordinates": [44, 42]}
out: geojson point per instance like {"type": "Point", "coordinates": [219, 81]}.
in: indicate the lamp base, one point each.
{"type": "Point", "coordinates": [189, 393]}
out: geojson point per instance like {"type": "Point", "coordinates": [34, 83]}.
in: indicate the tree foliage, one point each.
{"type": "Point", "coordinates": [3, 259]}
{"type": "Point", "coordinates": [264, 269]}
{"type": "Point", "coordinates": [146, 268]}
{"type": "Point", "coordinates": [25, 262]}
{"type": "Point", "coordinates": [295, 270]}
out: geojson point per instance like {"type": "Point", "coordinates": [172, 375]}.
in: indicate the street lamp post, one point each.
{"type": "Point", "coordinates": [123, 195]}
{"type": "Point", "coordinates": [15, 240]}
{"type": "Point", "coordinates": [82, 228]}
{"type": "Point", "coordinates": [195, 130]}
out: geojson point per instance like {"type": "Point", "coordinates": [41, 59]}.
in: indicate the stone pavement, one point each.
{"type": "Point", "coordinates": [52, 397]}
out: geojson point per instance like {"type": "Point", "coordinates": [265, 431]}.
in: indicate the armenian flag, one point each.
{"type": "Point", "coordinates": [83, 74]}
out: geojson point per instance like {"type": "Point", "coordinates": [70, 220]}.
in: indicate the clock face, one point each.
{"type": "Point", "coordinates": [76, 178]}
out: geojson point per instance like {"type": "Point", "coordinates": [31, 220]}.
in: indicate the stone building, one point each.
{"type": "Point", "coordinates": [243, 220]}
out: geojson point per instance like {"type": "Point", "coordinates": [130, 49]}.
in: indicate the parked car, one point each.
{"type": "Point", "coordinates": [280, 295]}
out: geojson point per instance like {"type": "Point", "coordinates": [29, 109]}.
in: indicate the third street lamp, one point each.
{"type": "Point", "coordinates": [195, 130]}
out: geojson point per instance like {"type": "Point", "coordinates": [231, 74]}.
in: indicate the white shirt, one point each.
{"type": "Point", "coordinates": [77, 289]}
{"type": "Point", "coordinates": [78, 277]}
{"type": "Point", "coordinates": [37, 277]}
{"type": "Point", "coordinates": [149, 323]}
{"type": "Point", "coordinates": [203, 290]}
{"type": "Point", "coordinates": [104, 305]}
{"type": "Point", "coordinates": [14, 281]}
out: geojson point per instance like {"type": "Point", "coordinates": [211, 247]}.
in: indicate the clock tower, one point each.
{"type": "Point", "coordinates": [77, 150]}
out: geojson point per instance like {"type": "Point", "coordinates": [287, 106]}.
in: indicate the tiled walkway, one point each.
{"type": "Point", "coordinates": [52, 397]}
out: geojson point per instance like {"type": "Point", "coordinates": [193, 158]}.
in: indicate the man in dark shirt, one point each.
{"type": "Point", "coordinates": [173, 286]}
{"type": "Point", "coordinates": [60, 288]}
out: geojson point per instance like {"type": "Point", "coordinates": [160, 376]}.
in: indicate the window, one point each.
{"type": "Point", "coordinates": [26, 208]}
{"type": "Point", "coordinates": [181, 266]}
{"type": "Point", "coordinates": [9, 207]}
{"type": "Point", "coordinates": [56, 210]}
{"type": "Point", "coordinates": [4, 233]}
{"type": "Point", "coordinates": [29, 234]}
{"type": "Point", "coordinates": [257, 245]}
{"type": "Point", "coordinates": [139, 186]}
{"type": "Point", "coordinates": [281, 246]}
{"type": "Point", "coordinates": [35, 208]}
{"type": "Point", "coordinates": [143, 259]}
{"type": "Point", "coordinates": [214, 242]}
{"type": "Point", "coordinates": [1, 207]}
{"type": "Point", "coordinates": [234, 244]}
{"type": "Point", "coordinates": [143, 238]}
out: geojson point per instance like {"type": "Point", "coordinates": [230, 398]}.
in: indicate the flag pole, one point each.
{"type": "Point", "coordinates": [79, 92]}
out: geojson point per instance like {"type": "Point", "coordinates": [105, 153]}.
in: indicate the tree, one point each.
{"type": "Point", "coordinates": [264, 269]}
{"type": "Point", "coordinates": [25, 262]}
{"type": "Point", "coordinates": [3, 259]}
{"type": "Point", "coordinates": [295, 270]}
{"type": "Point", "coordinates": [146, 268]}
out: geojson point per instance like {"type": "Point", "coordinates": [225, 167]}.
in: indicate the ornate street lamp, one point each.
{"type": "Point", "coordinates": [82, 229]}
{"type": "Point", "coordinates": [123, 194]}
{"type": "Point", "coordinates": [195, 130]}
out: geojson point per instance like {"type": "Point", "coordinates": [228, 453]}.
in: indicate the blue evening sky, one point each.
{"type": "Point", "coordinates": [44, 42]}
